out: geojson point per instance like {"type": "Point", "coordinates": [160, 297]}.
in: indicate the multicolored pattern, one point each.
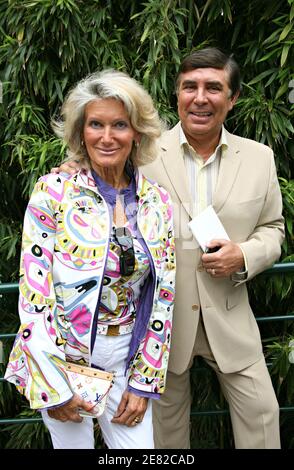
{"type": "Point", "coordinates": [120, 294]}
{"type": "Point", "coordinates": [64, 250]}
{"type": "Point", "coordinates": [148, 369]}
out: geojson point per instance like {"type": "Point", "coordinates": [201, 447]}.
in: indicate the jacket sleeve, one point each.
{"type": "Point", "coordinates": [148, 371]}
{"type": "Point", "coordinates": [37, 358]}
{"type": "Point", "coordinates": [263, 246]}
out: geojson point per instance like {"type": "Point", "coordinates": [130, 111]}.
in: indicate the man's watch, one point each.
{"type": "Point", "coordinates": [239, 276]}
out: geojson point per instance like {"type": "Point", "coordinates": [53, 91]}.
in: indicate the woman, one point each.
{"type": "Point", "coordinates": [97, 270]}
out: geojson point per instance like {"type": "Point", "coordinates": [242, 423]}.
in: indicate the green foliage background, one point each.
{"type": "Point", "coordinates": [46, 46]}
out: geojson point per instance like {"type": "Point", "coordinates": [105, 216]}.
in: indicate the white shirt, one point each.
{"type": "Point", "coordinates": [202, 175]}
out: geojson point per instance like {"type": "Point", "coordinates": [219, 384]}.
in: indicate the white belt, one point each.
{"type": "Point", "coordinates": [114, 330]}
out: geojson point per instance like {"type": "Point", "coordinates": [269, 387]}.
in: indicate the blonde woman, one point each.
{"type": "Point", "coordinates": [97, 270]}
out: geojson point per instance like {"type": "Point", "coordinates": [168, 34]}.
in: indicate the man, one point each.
{"type": "Point", "coordinates": [200, 163]}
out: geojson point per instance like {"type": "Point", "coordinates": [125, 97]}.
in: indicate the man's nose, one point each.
{"type": "Point", "coordinates": [200, 96]}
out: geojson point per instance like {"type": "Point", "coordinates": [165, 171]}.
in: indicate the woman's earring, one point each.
{"type": "Point", "coordinates": [136, 144]}
{"type": "Point", "coordinates": [82, 143]}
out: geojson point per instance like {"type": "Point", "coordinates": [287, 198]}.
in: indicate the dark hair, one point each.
{"type": "Point", "coordinates": [214, 58]}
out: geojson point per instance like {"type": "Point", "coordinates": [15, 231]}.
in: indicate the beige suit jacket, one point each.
{"type": "Point", "coordinates": [248, 201]}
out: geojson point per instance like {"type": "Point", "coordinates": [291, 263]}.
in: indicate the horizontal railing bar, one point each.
{"type": "Point", "coordinates": [192, 370]}
{"type": "Point", "coordinates": [20, 420]}
{"type": "Point", "coordinates": [193, 413]}
{"type": "Point", "coordinates": [279, 268]}
{"type": "Point", "coordinates": [226, 411]}
{"type": "Point", "coordinates": [9, 287]}
{"type": "Point", "coordinates": [276, 318]}
{"type": "Point", "coordinates": [207, 413]}
{"type": "Point", "coordinates": [259, 319]}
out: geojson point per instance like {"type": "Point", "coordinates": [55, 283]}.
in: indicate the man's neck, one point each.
{"type": "Point", "coordinates": [204, 145]}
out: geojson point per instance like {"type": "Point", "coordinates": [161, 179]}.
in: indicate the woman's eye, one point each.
{"type": "Point", "coordinates": [95, 124]}
{"type": "Point", "coordinates": [121, 125]}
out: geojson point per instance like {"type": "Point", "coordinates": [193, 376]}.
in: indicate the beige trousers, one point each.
{"type": "Point", "coordinates": [254, 409]}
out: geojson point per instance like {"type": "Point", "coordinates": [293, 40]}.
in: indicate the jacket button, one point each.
{"type": "Point", "coordinates": [195, 307]}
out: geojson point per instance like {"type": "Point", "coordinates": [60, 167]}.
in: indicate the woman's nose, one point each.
{"type": "Point", "coordinates": [107, 136]}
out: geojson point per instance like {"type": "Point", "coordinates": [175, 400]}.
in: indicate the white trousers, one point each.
{"type": "Point", "coordinates": [110, 353]}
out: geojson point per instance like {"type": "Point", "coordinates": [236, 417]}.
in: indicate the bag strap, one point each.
{"type": "Point", "coordinates": [89, 371]}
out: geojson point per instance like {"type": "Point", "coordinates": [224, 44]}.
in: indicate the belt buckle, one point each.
{"type": "Point", "coordinates": [113, 330]}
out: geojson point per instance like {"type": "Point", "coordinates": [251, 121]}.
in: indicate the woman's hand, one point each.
{"type": "Point", "coordinates": [70, 410]}
{"type": "Point", "coordinates": [71, 167]}
{"type": "Point", "coordinates": [131, 409]}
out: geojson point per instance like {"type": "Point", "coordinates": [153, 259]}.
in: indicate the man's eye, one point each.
{"type": "Point", "coordinates": [189, 88]}
{"type": "Point", "coordinates": [214, 89]}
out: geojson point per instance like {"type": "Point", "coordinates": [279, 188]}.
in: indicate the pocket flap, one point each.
{"type": "Point", "coordinates": [233, 298]}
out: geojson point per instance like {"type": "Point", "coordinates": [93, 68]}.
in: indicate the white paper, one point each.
{"type": "Point", "coordinates": [207, 226]}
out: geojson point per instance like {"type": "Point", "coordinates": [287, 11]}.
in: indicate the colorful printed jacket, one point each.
{"type": "Point", "coordinates": [64, 249]}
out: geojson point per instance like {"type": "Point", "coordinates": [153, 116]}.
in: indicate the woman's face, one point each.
{"type": "Point", "coordinates": [108, 134]}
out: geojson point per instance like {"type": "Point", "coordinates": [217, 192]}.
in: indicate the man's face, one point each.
{"type": "Point", "coordinates": [204, 102]}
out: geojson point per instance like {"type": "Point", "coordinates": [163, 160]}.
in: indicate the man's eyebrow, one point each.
{"type": "Point", "coordinates": [189, 83]}
{"type": "Point", "coordinates": [215, 83]}
{"type": "Point", "coordinates": [209, 82]}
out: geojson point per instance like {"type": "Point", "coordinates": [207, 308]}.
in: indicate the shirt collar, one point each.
{"type": "Point", "coordinates": [223, 141]}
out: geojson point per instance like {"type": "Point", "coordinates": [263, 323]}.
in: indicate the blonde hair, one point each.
{"type": "Point", "coordinates": [120, 86]}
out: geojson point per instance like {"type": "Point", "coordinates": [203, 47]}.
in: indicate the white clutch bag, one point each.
{"type": "Point", "coordinates": [93, 385]}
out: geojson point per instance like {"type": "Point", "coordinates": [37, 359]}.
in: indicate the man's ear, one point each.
{"type": "Point", "coordinates": [234, 98]}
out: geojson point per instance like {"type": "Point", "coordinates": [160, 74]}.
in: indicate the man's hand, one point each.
{"type": "Point", "coordinates": [69, 411]}
{"type": "Point", "coordinates": [71, 167]}
{"type": "Point", "coordinates": [228, 259]}
{"type": "Point", "coordinates": [131, 409]}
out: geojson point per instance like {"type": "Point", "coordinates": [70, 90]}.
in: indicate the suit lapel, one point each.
{"type": "Point", "coordinates": [173, 162]}
{"type": "Point", "coordinates": [228, 170]}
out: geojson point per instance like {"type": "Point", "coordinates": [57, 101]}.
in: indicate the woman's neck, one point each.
{"type": "Point", "coordinates": [114, 177]}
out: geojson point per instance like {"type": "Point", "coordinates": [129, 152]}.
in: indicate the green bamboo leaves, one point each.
{"type": "Point", "coordinates": [46, 46]}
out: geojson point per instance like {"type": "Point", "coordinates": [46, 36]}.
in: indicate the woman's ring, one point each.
{"type": "Point", "coordinates": [137, 420]}
{"type": "Point", "coordinates": [213, 272]}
